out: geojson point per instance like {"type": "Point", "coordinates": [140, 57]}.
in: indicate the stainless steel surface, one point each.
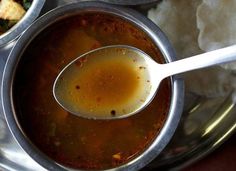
{"type": "Point", "coordinates": [118, 2]}
{"type": "Point", "coordinates": [205, 124]}
{"type": "Point", "coordinates": [12, 157]}
{"type": "Point", "coordinates": [219, 56]}
{"type": "Point", "coordinates": [130, 2]}
{"type": "Point", "coordinates": [58, 14]}
{"type": "Point", "coordinates": [121, 52]}
{"type": "Point", "coordinates": [156, 73]}
{"type": "Point", "coordinates": [20, 26]}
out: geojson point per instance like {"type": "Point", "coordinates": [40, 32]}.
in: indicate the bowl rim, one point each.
{"type": "Point", "coordinates": [31, 14]}
{"type": "Point", "coordinates": [130, 2]}
{"type": "Point", "coordinates": [57, 14]}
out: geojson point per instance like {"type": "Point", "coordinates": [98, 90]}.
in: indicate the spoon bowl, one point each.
{"type": "Point", "coordinates": [123, 73]}
{"type": "Point", "coordinates": [118, 90]}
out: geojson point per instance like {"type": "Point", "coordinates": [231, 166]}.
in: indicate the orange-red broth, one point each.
{"type": "Point", "coordinates": [73, 141]}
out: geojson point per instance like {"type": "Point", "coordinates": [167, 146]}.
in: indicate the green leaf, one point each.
{"type": "Point", "coordinates": [4, 25]}
{"type": "Point", "coordinates": [27, 4]}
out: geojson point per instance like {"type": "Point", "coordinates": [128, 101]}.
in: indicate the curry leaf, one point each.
{"type": "Point", "coordinates": [4, 25]}
{"type": "Point", "coordinates": [27, 4]}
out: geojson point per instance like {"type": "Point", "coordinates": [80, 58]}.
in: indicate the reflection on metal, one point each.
{"type": "Point", "coordinates": [188, 143]}
{"type": "Point", "coordinates": [2, 129]}
{"type": "Point", "coordinates": [202, 116]}
{"type": "Point", "coordinates": [225, 135]}
{"type": "Point", "coordinates": [218, 121]}
{"type": "Point", "coordinates": [16, 156]}
{"type": "Point", "coordinates": [195, 108]}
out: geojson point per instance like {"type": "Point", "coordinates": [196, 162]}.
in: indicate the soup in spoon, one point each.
{"type": "Point", "coordinates": [109, 82]}
{"type": "Point", "coordinates": [73, 141]}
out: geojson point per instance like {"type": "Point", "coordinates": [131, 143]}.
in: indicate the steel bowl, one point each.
{"type": "Point", "coordinates": [135, 18]}
{"type": "Point", "coordinates": [131, 2]}
{"type": "Point", "coordinates": [118, 2]}
{"type": "Point", "coordinates": [14, 32]}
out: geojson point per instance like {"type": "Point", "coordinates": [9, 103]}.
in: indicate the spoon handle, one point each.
{"type": "Point", "coordinates": [215, 57]}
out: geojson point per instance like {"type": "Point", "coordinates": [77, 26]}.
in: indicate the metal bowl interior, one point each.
{"type": "Point", "coordinates": [41, 24]}
{"type": "Point", "coordinates": [119, 2]}
{"type": "Point", "coordinates": [25, 22]}
{"type": "Point", "coordinates": [131, 2]}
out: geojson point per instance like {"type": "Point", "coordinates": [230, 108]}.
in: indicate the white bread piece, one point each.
{"type": "Point", "coordinates": [11, 10]}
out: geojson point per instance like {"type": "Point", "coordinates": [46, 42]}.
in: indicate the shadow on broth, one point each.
{"type": "Point", "coordinates": [40, 124]}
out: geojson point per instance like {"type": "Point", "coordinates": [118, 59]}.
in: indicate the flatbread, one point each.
{"type": "Point", "coordinates": [177, 19]}
{"type": "Point", "coordinates": [217, 26]}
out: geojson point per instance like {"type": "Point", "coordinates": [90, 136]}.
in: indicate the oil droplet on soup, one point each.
{"type": "Point", "coordinates": [109, 82]}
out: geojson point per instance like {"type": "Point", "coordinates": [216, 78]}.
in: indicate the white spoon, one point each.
{"type": "Point", "coordinates": [148, 72]}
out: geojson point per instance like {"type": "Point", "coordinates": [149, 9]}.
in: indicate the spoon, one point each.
{"type": "Point", "coordinates": [91, 101]}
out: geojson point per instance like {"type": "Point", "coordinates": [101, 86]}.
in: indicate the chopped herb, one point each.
{"type": "Point", "coordinates": [7, 24]}
{"type": "Point", "coordinates": [27, 4]}
{"type": "Point", "coordinates": [4, 25]}
{"type": "Point", "coordinates": [11, 23]}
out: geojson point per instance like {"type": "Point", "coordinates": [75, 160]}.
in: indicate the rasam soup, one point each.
{"type": "Point", "coordinates": [70, 140]}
